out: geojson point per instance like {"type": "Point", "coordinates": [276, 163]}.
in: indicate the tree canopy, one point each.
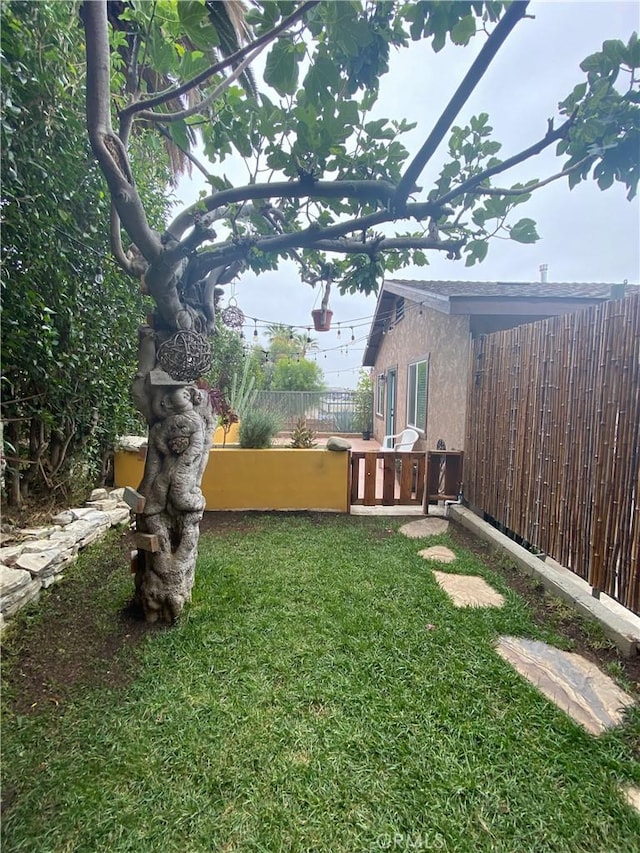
{"type": "Point", "coordinates": [328, 186]}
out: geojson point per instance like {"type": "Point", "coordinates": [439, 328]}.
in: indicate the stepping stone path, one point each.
{"type": "Point", "coordinates": [469, 590]}
{"type": "Point", "coordinates": [573, 683]}
{"type": "Point", "coordinates": [439, 553]}
{"type": "Point", "coordinates": [36, 557]}
{"type": "Point", "coordinates": [632, 796]}
{"type": "Point", "coordinates": [424, 527]}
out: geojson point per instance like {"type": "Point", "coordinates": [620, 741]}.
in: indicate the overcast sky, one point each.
{"type": "Point", "coordinates": [586, 234]}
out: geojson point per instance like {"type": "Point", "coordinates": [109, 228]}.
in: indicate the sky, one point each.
{"type": "Point", "coordinates": [586, 235]}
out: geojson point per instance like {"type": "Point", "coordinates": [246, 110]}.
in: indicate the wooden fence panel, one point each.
{"type": "Point", "coordinates": [552, 447]}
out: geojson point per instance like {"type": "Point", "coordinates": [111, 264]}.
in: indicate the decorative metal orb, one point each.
{"type": "Point", "coordinates": [186, 356]}
{"type": "Point", "coordinates": [233, 317]}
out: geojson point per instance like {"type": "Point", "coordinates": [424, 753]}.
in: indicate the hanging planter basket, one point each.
{"type": "Point", "coordinates": [322, 319]}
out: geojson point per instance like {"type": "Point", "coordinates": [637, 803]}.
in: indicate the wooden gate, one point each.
{"type": "Point", "coordinates": [386, 478]}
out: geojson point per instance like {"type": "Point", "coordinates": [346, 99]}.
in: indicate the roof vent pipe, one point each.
{"type": "Point", "coordinates": [543, 272]}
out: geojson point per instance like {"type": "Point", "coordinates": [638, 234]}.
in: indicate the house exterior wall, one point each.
{"type": "Point", "coordinates": [444, 340]}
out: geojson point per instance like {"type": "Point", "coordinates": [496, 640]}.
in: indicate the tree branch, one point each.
{"type": "Point", "coordinates": [149, 115]}
{"type": "Point", "coordinates": [531, 187]}
{"type": "Point", "coordinates": [372, 247]}
{"type": "Point", "coordinates": [314, 237]}
{"type": "Point", "coordinates": [549, 138]}
{"type": "Point", "coordinates": [107, 146]}
{"type": "Point", "coordinates": [116, 241]}
{"type": "Point", "coordinates": [240, 249]}
{"type": "Point", "coordinates": [381, 191]}
{"type": "Point", "coordinates": [514, 13]}
{"type": "Point", "coordinates": [177, 91]}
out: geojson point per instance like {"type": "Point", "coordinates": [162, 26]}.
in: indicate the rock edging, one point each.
{"type": "Point", "coordinates": [36, 557]}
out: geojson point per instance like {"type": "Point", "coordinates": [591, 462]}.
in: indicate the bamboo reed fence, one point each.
{"type": "Point", "coordinates": [552, 450]}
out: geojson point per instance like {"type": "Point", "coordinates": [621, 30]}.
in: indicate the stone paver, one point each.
{"type": "Point", "coordinates": [439, 553]}
{"type": "Point", "coordinates": [423, 527]}
{"type": "Point", "coordinates": [573, 683]}
{"type": "Point", "coordinates": [632, 796]}
{"type": "Point", "coordinates": [469, 590]}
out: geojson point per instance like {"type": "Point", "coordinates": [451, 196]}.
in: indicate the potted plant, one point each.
{"type": "Point", "coordinates": [364, 405]}
{"type": "Point", "coordinates": [322, 319]}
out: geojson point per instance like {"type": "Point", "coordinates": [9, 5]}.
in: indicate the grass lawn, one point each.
{"type": "Point", "coordinates": [320, 694]}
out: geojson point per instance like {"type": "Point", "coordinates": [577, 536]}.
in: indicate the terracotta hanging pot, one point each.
{"type": "Point", "coordinates": [322, 319]}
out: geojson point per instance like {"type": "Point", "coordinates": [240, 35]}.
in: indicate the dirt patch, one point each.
{"type": "Point", "coordinates": [547, 610]}
{"type": "Point", "coordinates": [76, 641]}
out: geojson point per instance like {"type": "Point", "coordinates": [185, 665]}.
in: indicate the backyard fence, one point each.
{"type": "Point", "coordinates": [325, 411]}
{"type": "Point", "coordinates": [552, 447]}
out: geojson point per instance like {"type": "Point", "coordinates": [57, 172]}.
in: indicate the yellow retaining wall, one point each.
{"type": "Point", "coordinates": [233, 436]}
{"type": "Point", "coordinates": [277, 478]}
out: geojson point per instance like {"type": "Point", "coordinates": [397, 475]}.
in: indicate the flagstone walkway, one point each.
{"type": "Point", "coordinates": [574, 684]}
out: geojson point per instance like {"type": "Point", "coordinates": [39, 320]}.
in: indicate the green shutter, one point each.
{"type": "Point", "coordinates": [411, 396]}
{"type": "Point", "coordinates": [421, 395]}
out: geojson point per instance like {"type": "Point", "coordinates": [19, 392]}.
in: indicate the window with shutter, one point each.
{"type": "Point", "coordinates": [417, 395]}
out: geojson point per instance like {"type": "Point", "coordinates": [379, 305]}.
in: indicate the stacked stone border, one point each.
{"type": "Point", "coordinates": [34, 558]}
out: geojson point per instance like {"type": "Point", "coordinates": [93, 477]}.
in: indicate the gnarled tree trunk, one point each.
{"type": "Point", "coordinates": [181, 427]}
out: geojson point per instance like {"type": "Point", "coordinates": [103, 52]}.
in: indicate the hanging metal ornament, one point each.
{"type": "Point", "coordinates": [186, 356]}
{"type": "Point", "coordinates": [232, 316]}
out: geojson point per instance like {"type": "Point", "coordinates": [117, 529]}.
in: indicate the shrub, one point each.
{"type": "Point", "coordinates": [258, 428]}
{"type": "Point", "coordinates": [302, 436]}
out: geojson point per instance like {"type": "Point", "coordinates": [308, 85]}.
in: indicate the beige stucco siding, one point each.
{"type": "Point", "coordinates": [444, 340]}
{"type": "Point", "coordinates": [448, 371]}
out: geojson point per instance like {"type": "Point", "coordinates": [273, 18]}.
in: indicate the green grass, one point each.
{"type": "Point", "coordinates": [320, 694]}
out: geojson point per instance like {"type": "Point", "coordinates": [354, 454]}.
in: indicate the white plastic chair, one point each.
{"type": "Point", "coordinates": [406, 439]}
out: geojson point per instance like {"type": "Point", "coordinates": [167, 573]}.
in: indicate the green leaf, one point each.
{"type": "Point", "coordinates": [193, 17]}
{"type": "Point", "coordinates": [281, 71]}
{"type": "Point", "coordinates": [464, 30]}
{"type": "Point", "coordinates": [476, 251]}
{"type": "Point", "coordinates": [633, 51]}
{"type": "Point", "coordinates": [322, 80]}
{"type": "Point", "coordinates": [524, 231]}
